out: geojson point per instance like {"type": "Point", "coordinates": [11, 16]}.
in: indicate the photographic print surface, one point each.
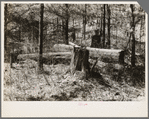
{"type": "Point", "coordinates": [74, 52]}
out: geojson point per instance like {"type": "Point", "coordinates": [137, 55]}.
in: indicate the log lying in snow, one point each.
{"type": "Point", "coordinates": [106, 55]}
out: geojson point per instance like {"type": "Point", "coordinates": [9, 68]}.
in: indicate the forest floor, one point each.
{"type": "Point", "coordinates": [22, 83]}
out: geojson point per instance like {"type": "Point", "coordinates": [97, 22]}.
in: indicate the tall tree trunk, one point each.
{"type": "Point", "coordinates": [97, 25]}
{"type": "Point", "coordinates": [140, 33]}
{"type": "Point", "coordinates": [57, 23]}
{"type": "Point", "coordinates": [40, 63]}
{"type": "Point", "coordinates": [84, 22]}
{"type": "Point", "coordinates": [74, 33]}
{"type": "Point", "coordinates": [116, 29]}
{"type": "Point", "coordinates": [66, 26]}
{"type": "Point", "coordinates": [133, 36]}
{"type": "Point", "coordinates": [63, 27]}
{"type": "Point", "coordinates": [73, 22]}
{"type": "Point", "coordinates": [32, 38]}
{"type": "Point", "coordinates": [109, 13]}
{"type": "Point", "coordinates": [144, 29]}
{"type": "Point", "coordinates": [33, 33]}
{"type": "Point", "coordinates": [5, 28]}
{"type": "Point", "coordinates": [53, 24]}
{"type": "Point", "coordinates": [101, 30]}
{"type": "Point", "coordinates": [19, 33]}
{"type": "Point", "coordinates": [104, 26]}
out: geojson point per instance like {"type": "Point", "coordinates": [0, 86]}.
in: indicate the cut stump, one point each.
{"type": "Point", "coordinates": [79, 61]}
{"type": "Point", "coordinates": [13, 58]}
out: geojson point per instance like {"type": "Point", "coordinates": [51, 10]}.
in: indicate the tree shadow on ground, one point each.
{"type": "Point", "coordinates": [56, 61]}
{"type": "Point", "coordinates": [76, 93]}
{"type": "Point", "coordinates": [62, 97]}
{"type": "Point", "coordinates": [53, 60]}
{"type": "Point", "coordinates": [31, 98]}
{"type": "Point", "coordinates": [99, 79]}
{"type": "Point", "coordinates": [135, 76]}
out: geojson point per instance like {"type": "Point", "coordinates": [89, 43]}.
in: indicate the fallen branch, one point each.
{"type": "Point", "coordinates": [46, 80]}
{"type": "Point", "coordinates": [94, 65]}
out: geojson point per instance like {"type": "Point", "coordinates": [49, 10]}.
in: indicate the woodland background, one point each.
{"type": "Point", "coordinates": [36, 28]}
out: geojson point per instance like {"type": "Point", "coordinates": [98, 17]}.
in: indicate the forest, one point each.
{"type": "Point", "coordinates": [74, 52]}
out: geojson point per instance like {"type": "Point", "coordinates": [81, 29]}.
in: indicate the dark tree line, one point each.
{"type": "Point", "coordinates": [41, 37]}
{"type": "Point", "coordinates": [133, 36]}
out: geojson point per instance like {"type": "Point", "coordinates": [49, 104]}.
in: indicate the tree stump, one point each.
{"type": "Point", "coordinates": [79, 61]}
{"type": "Point", "coordinates": [13, 58]}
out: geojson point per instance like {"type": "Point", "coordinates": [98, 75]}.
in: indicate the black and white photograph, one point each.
{"type": "Point", "coordinates": [74, 52]}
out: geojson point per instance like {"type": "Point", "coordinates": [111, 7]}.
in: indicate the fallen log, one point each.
{"type": "Point", "coordinates": [106, 55]}
{"type": "Point", "coordinates": [62, 48]}
{"type": "Point", "coordinates": [45, 55]}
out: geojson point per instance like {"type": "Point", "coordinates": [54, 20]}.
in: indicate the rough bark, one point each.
{"type": "Point", "coordinates": [101, 25]}
{"type": "Point", "coordinates": [79, 61]}
{"type": "Point", "coordinates": [66, 26]}
{"type": "Point", "coordinates": [40, 64]}
{"type": "Point", "coordinates": [109, 13]}
{"type": "Point", "coordinates": [57, 23]}
{"type": "Point", "coordinates": [84, 23]}
{"type": "Point", "coordinates": [63, 29]}
{"type": "Point", "coordinates": [104, 27]}
{"type": "Point", "coordinates": [133, 36]}
{"type": "Point", "coordinates": [5, 35]}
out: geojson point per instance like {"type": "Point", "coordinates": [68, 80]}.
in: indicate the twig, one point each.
{"type": "Point", "coordinates": [94, 65]}
{"type": "Point", "coordinates": [128, 40]}
{"type": "Point", "coordinates": [46, 80]}
{"type": "Point", "coordinates": [27, 80]}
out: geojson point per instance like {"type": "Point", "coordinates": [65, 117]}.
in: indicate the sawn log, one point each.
{"type": "Point", "coordinates": [105, 55]}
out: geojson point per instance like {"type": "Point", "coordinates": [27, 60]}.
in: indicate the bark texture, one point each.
{"type": "Point", "coordinates": [79, 61]}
